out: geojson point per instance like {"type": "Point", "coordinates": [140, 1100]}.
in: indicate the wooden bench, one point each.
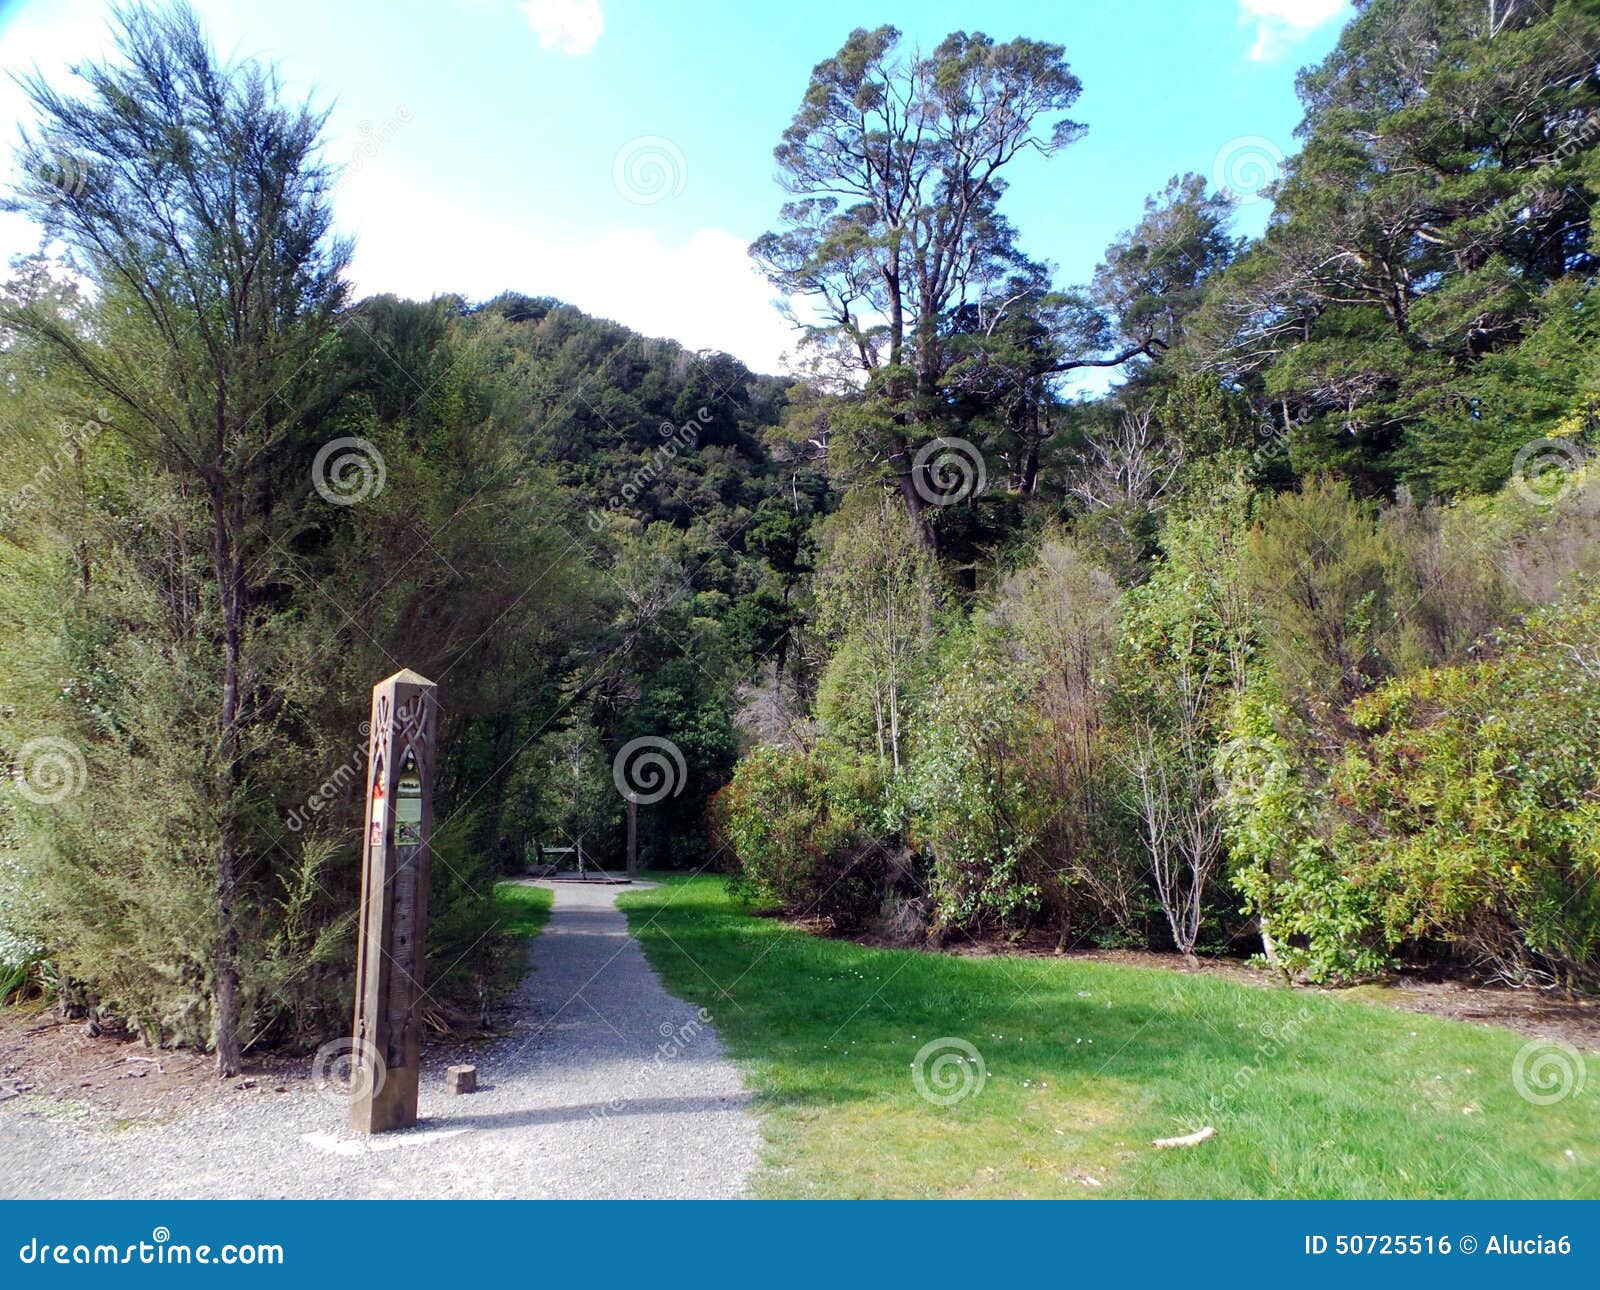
{"type": "Point", "coordinates": [545, 867]}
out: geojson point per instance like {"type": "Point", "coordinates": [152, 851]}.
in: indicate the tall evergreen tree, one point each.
{"type": "Point", "coordinates": [197, 203]}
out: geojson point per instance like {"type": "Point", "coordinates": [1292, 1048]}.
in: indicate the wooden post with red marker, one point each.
{"type": "Point", "coordinates": [394, 903]}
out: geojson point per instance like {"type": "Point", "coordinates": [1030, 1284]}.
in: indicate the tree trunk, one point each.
{"type": "Point", "coordinates": [894, 719]}
{"type": "Point", "coordinates": [229, 589]}
{"type": "Point", "coordinates": [1269, 949]}
{"type": "Point", "coordinates": [916, 511]}
{"type": "Point", "coordinates": [1025, 480]}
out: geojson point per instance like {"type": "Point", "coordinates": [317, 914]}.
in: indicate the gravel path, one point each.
{"type": "Point", "coordinates": [608, 1086]}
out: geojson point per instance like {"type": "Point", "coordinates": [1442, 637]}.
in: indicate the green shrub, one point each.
{"type": "Point", "coordinates": [973, 789]}
{"type": "Point", "coordinates": [1469, 806]}
{"type": "Point", "coordinates": [801, 830]}
{"type": "Point", "coordinates": [1316, 570]}
{"type": "Point", "coordinates": [1186, 643]}
{"type": "Point", "coordinates": [1060, 616]}
{"type": "Point", "coordinates": [1314, 920]}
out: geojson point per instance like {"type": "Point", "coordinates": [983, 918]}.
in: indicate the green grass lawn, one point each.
{"type": "Point", "coordinates": [521, 911]}
{"type": "Point", "coordinates": [1311, 1094]}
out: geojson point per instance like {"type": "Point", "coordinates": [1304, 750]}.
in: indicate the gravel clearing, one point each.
{"type": "Point", "coordinates": [607, 1086]}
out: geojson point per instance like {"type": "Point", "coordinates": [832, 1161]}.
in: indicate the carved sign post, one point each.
{"type": "Point", "coordinates": [394, 903]}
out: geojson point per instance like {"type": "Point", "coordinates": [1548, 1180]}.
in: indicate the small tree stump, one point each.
{"type": "Point", "coordinates": [461, 1079]}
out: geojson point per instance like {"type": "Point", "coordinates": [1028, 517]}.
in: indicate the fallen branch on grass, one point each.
{"type": "Point", "coordinates": [1187, 1140]}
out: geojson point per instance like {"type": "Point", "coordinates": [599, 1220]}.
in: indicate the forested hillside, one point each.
{"type": "Point", "coordinates": [1286, 645]}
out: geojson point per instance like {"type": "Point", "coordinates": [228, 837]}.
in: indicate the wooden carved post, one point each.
{"type": "Point", "coordinates": [394, 903]}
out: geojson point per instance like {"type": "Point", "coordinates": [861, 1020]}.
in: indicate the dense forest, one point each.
{"type": "Point", "coordinates": [1286, 645]}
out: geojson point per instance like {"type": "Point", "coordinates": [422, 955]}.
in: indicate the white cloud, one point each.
{"type": "Point", "coordinates": [1281, 24]}
{"type": "Point", "coordinates": [572, 26]}
{"type": "Point", "coordinates": [702, 291]}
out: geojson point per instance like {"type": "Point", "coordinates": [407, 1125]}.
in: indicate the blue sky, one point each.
{"type": "Point", "coordinates": [618, 154]}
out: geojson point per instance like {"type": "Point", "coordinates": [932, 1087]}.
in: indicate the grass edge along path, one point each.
{"type": "Point", "coordinates": [520, 913]}
{"type": "Point", "coordinates": [903, 1073]}
{"type": "Point", "coordinates": [521, 910]}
